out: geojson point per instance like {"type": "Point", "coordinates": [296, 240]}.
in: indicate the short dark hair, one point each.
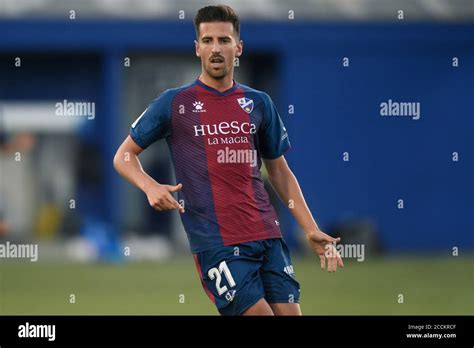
{"type": "Point", "coordinates": [220, 13]}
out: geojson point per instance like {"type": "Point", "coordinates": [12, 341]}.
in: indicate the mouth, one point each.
{"type": "Point", "coordinates": [217, 62]}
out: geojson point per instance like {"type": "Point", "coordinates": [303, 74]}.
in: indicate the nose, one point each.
{"type": "Point", "coordinates": [216, 48]}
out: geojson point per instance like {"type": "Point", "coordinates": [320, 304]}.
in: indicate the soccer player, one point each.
{"type": "Point", "coordinates": [219, 132]}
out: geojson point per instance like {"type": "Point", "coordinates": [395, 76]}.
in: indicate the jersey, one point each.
{"type": "Point", "coordinates": [216, 141]}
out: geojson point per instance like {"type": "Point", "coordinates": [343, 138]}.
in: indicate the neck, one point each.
{"type": "Point", "coordinates": [221, 84]}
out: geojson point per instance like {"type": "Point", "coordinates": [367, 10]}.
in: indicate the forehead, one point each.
{"type": "Point", "coordinates": [216, 29]}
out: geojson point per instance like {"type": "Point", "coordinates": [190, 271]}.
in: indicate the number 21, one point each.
{"type": "Point", "coordinates": [216, 273]}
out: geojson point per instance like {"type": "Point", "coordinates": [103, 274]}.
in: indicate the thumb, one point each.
{"type": "Point", "coordinates": [333, 240]}
{"type": "Point", "coordinates": [175, 188]}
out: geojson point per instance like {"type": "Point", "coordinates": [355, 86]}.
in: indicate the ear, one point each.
{"type": "Point", "coordinates": [240, 47]}
{"type": "Point", "coordinates": [196, 45]}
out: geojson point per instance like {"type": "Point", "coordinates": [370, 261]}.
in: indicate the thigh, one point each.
{"type": "Point", "coordinates": [278, 275]}
{"type": "Point", "coordinates": [231, 278]}
{"type": "Point", "coordinates": [259, 308]}
{"type": "Point", "coordinates": [286, 308]}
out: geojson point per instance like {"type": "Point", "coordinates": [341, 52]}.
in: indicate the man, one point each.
{"type": "Point", "coordinates": [218, 132]}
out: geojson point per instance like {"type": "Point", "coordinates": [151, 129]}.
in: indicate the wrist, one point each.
{"type": "Point", "coordinates": [311, 231]}
{"type": "Point", "coordinates": [147, 183]}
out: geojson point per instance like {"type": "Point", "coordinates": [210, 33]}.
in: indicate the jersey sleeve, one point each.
{"type": "Point", "coordinates": [273, 138]}
{"type": "Point", "coordinates": [154, 123]}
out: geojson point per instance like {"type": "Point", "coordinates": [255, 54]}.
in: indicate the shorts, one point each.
{"type": "Point", "coordinates": [235, 277]}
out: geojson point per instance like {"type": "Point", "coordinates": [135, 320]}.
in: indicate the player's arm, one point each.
{"type": "Point", "coordinates": [286, 186]}
{"type": "Point", "coordinates": [128, 165]}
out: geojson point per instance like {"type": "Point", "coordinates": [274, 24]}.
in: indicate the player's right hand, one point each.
{"type": "Point", "coordinates": [160, 197]}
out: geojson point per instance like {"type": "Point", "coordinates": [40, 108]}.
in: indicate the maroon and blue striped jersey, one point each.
{"type": "Point", "coordinates": [217, 140]}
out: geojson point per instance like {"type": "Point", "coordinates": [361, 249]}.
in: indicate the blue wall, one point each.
{"type": "Point", "coordinates": [336, 110]}
{"type": "Point", "coordinates": [390, 158]}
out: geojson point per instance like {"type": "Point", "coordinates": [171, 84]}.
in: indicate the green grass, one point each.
{"type": "Point", "coordinates": [429, 285]}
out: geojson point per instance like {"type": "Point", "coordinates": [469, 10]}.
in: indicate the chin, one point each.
{"type": "Point", "coordinates": [217, 75]}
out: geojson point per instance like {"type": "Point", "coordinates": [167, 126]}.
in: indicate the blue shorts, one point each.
{"type": "Point", "coordinates": [235, 277]}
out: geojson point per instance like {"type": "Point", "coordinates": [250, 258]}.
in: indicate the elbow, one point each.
{"type": "Point", "coordinates": [116, 161]}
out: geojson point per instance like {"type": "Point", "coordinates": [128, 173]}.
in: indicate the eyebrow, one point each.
{"type": "Point", "coordinates": [220, 37]}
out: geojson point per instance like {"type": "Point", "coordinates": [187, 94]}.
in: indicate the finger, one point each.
{"type": "Point", "coordinates": [330, 256]}
{"type": "Point", "coordinates": [172, 203]}
{"type": "Point", "coordinates": [175, 188]}
{"type": "Point", "coordinates": [331, 264]}
{"type": "Point", "coordinates": [332, 239]}
{"type": "Point", "coordinates": [176, 205]}
{"type": "Point", "coordinates": [339, 260]}
{"type": "Point", "coordinates": [162, 204]}
{"type": "Point", "coordinates": [154, 204]}
{"type": "Point", "coordinates": [335, 260]}
{"type": "Point", "coordinates": [323, 261]}
{"type": "Point", "coordinates": [157, 207]}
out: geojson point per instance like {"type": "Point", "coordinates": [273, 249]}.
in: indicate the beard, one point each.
{"type": "Point", "coordinates": [216, 74]}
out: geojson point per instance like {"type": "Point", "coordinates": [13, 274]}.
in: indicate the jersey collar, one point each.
{"type": "Point", "coordinates": [215, 91]}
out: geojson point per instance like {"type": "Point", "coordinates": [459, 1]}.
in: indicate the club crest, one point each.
{"type": "Point", "coordinates": [246, 104]}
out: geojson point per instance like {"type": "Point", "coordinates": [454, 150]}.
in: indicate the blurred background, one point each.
{"type": "Point", "coordinates": [400, 187]}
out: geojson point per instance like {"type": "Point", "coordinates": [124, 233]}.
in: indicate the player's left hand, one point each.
{"type": "Point", "coordinates": [323, 245]}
